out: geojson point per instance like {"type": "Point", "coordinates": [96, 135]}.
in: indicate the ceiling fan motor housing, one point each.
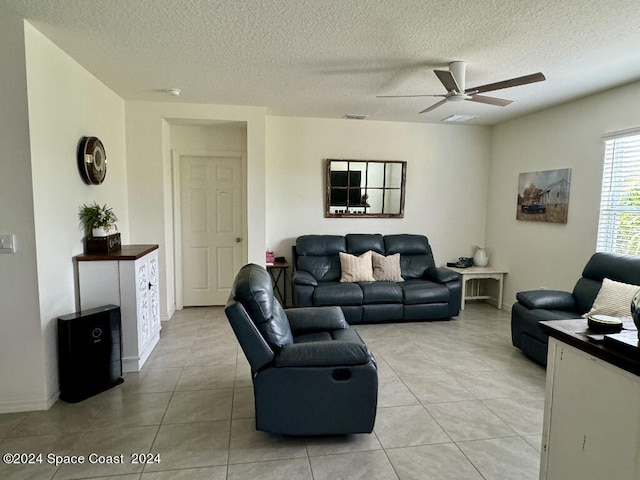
{"type": "Point", "coordinates": [458, 70]}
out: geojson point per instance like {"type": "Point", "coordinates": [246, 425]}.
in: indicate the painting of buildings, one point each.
{"type": "Point", "coordinates": [544, 196]}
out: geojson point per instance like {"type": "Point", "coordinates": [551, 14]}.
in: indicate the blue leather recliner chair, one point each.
{"type": "Point", "coordinates": [536, 305]}
{"type": "Point", "coordinates": [312, 374]}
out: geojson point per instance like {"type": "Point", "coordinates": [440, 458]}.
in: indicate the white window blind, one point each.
{"type": "Point", "coordinates": [619, 225]}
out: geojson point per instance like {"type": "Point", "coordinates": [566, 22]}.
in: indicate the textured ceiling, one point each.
{"type": "Point", "coordinates": [325, 58]}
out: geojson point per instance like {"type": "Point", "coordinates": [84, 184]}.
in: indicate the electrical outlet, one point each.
{"type": "Point", "coordinates": [7, 243]}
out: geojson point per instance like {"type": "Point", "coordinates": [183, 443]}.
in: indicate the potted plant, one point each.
{"type": "Point", "coordinates": [97, 221]}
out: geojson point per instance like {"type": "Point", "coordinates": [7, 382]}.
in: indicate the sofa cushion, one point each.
{"type": "Point", "coordinates": [356, 269]}
{"type": "Point", "coordinates": [585, 292]}
{"type": "Point", "coordinates": [549, 299]}
{"type": "Point", "coordinates": [415, 266]}
{"type": "Point", "coordinates": [381, 292]}
{"type": "Point", "coordinates": [312, 337]}
{"type": "Point", "coordinates": [320, 245]}
{"type": "Point", "coordinates": [415, 253]}
{"type": "Point", "coordinates": [334, 293]}
{"type": "Point", "coordinates": [386, 269]}
{"type": "Point", "coordinates": [407, 244]}
{"type": "Point", "coordinates": [420, 291]}
{"type": "Point", "coordinates": [318, 255]}
{"type": "Point", "coordinates": [253, 289]}
{"type": "Point", "coordinates": [614, 299]}
{"type": "Point", "coordinates": [323, 269]}
{"type": "Point", "coordinates": [530, 318]}
{"type": "Point", "coordinates": [358, 243]}
{"type": "Point", "coordinates": [621, 268]}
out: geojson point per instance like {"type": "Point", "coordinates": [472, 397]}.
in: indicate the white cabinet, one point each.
{"type": "Point", "coordinates": [128, 278]}
{"type": "Point", "coordinates": [592, 418]}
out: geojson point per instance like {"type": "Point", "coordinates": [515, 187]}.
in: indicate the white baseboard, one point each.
{"type": "Point", "coordinates": [14, 406]}
{"type": "Point", "coordinates": [135, 364]}
{"type": "Point", "coordinates": [166, 317]}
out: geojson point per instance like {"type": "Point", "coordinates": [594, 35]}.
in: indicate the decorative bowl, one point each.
{"type": "Point", "coordinates": [604, 324]}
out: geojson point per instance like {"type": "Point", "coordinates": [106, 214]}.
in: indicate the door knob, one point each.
{"type": "Point", "coordinates": [238, 239]}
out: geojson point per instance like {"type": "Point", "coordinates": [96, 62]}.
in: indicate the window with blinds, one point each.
{"type": "Point", "coordinates": [619, 225]}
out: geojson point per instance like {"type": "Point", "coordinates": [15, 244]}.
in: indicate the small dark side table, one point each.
{"type": "Point", "coordinates": [278, 271]}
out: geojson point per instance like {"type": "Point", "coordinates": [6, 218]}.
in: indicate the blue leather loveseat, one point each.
{"type": "Point", "coordinates": [427, 292]}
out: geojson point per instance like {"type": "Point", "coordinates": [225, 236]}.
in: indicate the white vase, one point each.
{"type": "Point", "coordinates": [99, 232]}
{"type": "Point", "coordinates": [480, 258]}
{"type": "Point", "coordinates": [104, 231]}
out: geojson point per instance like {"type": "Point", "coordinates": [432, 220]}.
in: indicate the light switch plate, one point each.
{"type": "Point", "coordinates": [7, 243]}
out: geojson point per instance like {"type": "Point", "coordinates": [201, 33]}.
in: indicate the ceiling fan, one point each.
{"type": "Point", "coordinates": [454, 81]}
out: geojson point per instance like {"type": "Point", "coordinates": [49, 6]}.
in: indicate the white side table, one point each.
{"type": "Point", "coordinates": [473, 291]}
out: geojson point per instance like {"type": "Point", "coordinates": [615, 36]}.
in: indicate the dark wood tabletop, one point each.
{"type": "Point", "coordinates": [127, 252]}
{"type": "Point", "coordinates": [574, 333]}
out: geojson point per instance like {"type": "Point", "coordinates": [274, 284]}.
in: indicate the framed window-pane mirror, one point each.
{"type": "Point", "coordinates": [365, 188]}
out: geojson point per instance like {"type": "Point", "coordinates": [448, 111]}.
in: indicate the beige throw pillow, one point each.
{"type": "Point", "coordinates": [614, 299]}
{"type": "Point", "coordinates": [386, 269]}
{"type": "Point", "coordinates": [356, 269]}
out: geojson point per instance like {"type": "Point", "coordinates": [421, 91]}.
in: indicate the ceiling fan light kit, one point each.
{"type": "Point", "coordinates": [454, 81]}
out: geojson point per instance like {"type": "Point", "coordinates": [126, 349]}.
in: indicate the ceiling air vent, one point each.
{"type": "Point", "coordinates": [458, 118]}
{"type": "Point", "coordinates": [355, 116]}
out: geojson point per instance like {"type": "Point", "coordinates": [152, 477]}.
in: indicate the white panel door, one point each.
{"type": "Point", "coordinates": [212, 213]}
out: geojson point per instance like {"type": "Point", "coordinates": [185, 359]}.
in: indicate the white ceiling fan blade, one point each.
{"type": "Point", "coordinates": [434, 106]}
{"type": "Point", "coordinates": [500, 102]}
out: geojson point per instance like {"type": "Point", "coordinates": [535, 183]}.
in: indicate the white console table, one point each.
{"type": "Point", "coordinates": [127, 278]}
{"type": "Point", "coordinates": [473, 290]}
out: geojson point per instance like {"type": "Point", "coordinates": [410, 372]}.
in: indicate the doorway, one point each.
{"type": "Point", "coordinates": [210, 225]}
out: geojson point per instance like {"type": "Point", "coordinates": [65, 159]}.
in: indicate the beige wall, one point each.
{"type": "Point", "coordinates": [447, 180]}
{"type": "Point", "coordinates": [65, 103]}
{"type": "Point", "coordinates": [44, 191]}
{"type": "Point", "coordinates": [22, 366]}
{"type": "Point", "coordinates": [149, 145]}
{"type": "Point", "coordinates": [568, 136]}
{"type": "Point", "coordinates": [209, 138]}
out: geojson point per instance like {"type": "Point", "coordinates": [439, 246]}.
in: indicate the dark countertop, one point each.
{"type": "Point", "coordinates": [574, 333]}
{"type": "Point", "coordinates": [127, 252]}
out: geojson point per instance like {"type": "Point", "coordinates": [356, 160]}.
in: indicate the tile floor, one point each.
{"type": "Point", "coordinates": [456, 401]}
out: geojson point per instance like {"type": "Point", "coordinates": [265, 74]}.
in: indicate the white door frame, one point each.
{"type": "Point", "coordinates": [177, 210]}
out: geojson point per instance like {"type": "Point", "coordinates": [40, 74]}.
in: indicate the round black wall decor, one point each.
{"type": "Point", "coordinates": [92, 160]}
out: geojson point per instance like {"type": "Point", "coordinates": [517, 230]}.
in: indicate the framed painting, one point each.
{"type": "Point", "coordinates": [544, 196]}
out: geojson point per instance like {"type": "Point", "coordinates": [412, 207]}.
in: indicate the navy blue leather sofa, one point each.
{"type": "Point", "coordinates": [535, 305]}
{"type": "Point", "coordinates": [312, 374]}
{"type": "Point", "coordinates": [427, 292]}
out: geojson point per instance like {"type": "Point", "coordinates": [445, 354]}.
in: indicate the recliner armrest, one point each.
{"type": "Point", "coordinates": [323, 354]}
{"type": "Point", "coordinates": [547, 299]}
{"type": "Point", "coordinates": [442, 275]}
{"type": "Point", "coordinates": [315, 319]}
{"type": "Point", "coordinates": [300, 277]}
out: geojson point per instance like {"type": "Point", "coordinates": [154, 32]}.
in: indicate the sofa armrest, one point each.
{"type": "Point", "coordinates": [442, 275]}
{"type": "Point", "coordinates": [315, 319]}
{"type": "Point", "coordinates": [547, 299]}
{"type": "Point", "coordinates": [300, 277]}
{"type": "Point", "coordinates": [323, 354]}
